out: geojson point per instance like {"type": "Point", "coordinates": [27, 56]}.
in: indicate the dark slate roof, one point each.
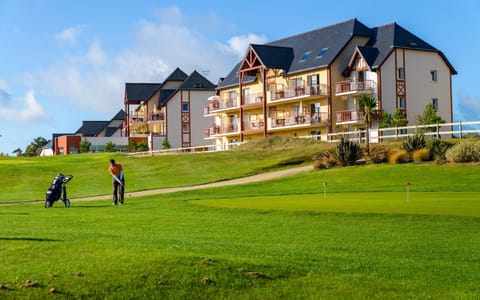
{"type": "Point", "coordinates": [329, 41]}
{"type": "Point", "coordinates": [165, 95]}
{"type": "Point", "coordinates": [109, 131]}
{"type": "Point", "coordinates": [136, 92]}
{"type": "Point", "coordinates": [390, 36]}
{"type": "Point", "coordinates": [119, 116]}
{"type": "Point", "coordinates": [274, 57]}
{"type": "Point", "coordinates": [197, 82]}
{"type": "Point", "coordinates": [91, 128]}
{"type": "Point", "coordinates": [177, 75]}
{"type": "Point", "coordinates": [333, 38]}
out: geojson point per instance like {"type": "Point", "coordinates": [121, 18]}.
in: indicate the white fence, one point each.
{"type": "Point", "coordinates": [445, 130]}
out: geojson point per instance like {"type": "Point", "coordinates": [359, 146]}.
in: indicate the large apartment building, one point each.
{"type": "Point", "coordinates": [309, 84]}
{"type": "Point", "coordinates": [171, 110]}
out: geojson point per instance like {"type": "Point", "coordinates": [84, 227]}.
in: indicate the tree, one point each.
{"type": "Point", "coordinates": [400, 118]}
{"type": "Point", "coordinates": [35, 146]}
{"type": "Point", "coordinates": [17, 152]}
{"type": "Point", "coordinates": [165, 144]}
{"type": "Point", "coordinates": [429, 116]}
{"type": "Point", "coordinates": [110, 147]}
{"type": "Point", "coordinates": [387, 120]}
{"type": "Point", "coordinates": [369, 103]}
{"type": "Point", "coordinates": [85, 146]}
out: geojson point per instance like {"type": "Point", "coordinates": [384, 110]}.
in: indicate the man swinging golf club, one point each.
{"type": "Point", "coordinates": [118, 182]}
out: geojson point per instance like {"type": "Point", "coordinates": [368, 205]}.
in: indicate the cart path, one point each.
{"type": "Point", "coordinates": [242, 180]}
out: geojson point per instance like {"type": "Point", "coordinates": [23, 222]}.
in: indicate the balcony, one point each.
{"type": "Point", "coordinates": [348, 87]}
{"type": "Point", "coordinates": [217, 105]}
{"type": "Point", "coordinates": [156, 117]}
{"type": "Point", "coordinates": [349, 117]}
{"type": "Point", "coordinates": [300, 120]}
{"type": "Point", "coordinates": [302, 91]}
{"type": "Point", "coordinates": [253, 99]}
{"type": "Point", "coordinates": [136, 118]}
{"type": "Point", "coordinates": [256, 125]}
{"type": "Point", "coordinates": [221, 129]}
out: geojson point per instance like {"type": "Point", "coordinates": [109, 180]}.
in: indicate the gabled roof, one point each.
{"type": "Point", "coordinates": [319, 48]}
{"type": "Point", "coordinates": [177, 75]}
{"type": "Point", "coordinates": [274, 57]}
{"type": "Point", "coordinates": [165, 95]}
{"type": "Point", "coordinates": [197, 82]}
{"type": "Point", "coordinates": [309, 50]}
{"type": "Point", "coordinates": [120, 116]}
{"type": "Point", "coordinates": [391, 36]}
{"type": "Point", "coordinates": [91, 128]}
{"type": "Point", "coordinates": [137, 92]}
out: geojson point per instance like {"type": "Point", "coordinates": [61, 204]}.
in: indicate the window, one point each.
{"type": "Point", "coordinates": [186, 127]}
{"type": "Point", "coordinates": [305, 56]}
{"type": "Point", "coordinates": [316, 134]}
{"type": "Point", "coordinates": [401, 74]}
{"type": "Point", "coordinates": [401, 102]}
{"type": "Point", "coordinates": [433, 74]}
{"type": "Point", "coordinates": [435, 104]}
{"type": "Point", "coordinates": [185, 107]}
{"type": "Point", "coordinates": [321, 53]}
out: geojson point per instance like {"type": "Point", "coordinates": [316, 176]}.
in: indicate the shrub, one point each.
{"type": "Point", "coordinates": [465, 151]}
{"type": "Point", "coordinates": [415, 142]}
{"type": "Point", "coordinates": [85, 146]}
{"type": "Point", "coordinates": [398, 156]}
{"type": "Point", "coordinates": [347, 152]}
{"type": "Point", "coordinates": [378, 154]}
{"type": "Point", "coordinates": [438, 148]}
{"type": "Point", "coordinates": [110, 147]}
{"type": "Point", "coordinates": [324, 159]}
{"type": "Point", "coordinates": [421, 155]}
{"type": "Point", "coordinates": [142, 146]}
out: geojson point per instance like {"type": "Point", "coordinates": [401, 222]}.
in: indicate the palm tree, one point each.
{"type": "Point", "coordinates": [369, 103]}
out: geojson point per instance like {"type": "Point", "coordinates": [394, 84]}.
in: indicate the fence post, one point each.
{"type": "Point", "coordinates": [460, 128]}
{"type": "Point", "coordinates": [438, 130]}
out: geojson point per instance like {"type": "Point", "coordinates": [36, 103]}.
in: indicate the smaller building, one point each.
{"type": "Point", "coordinates": [67, 144]}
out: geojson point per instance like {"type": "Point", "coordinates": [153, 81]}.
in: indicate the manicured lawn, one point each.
{"type": "Point", "coordinates": [286, 238]}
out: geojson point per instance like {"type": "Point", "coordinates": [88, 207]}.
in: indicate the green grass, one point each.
{"type": "Point", "coordinates": [284, 238]}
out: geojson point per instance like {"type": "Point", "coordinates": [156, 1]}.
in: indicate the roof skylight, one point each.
{"type": "Point", "coordinates": [321, 53]}
{"type": "Point", "coordinates": [305, 56]}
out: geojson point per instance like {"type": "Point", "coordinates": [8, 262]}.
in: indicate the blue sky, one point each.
{"type": "Point", "coordinates": [62, 62]}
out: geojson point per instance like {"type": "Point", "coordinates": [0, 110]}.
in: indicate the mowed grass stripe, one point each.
{"type": "Point", "coordinates": [446, 203]}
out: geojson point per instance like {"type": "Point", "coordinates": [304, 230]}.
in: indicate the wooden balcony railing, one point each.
{"type": "Point", "coordinates": [349, 86]}
{"type": "Point", "coordinates": [219, 105]}
{"type": "Point", "coordinates": [349, 116]}
{"type": "Point", "coordinates": [308, 119]}
{"type": "Point", "coordinates": [218, 129]}
{"type": "Point", "coordinates": [307, 90]}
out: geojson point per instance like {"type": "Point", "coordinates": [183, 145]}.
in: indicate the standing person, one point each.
{"type": "Point", "coordinates": [118, 182]}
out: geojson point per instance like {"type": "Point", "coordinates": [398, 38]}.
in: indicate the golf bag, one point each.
{"type": "Point", "coordinates": [58, 190]}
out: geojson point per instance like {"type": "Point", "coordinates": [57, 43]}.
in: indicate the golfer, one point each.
{"type": "Point", "coordinates": [118, 182]}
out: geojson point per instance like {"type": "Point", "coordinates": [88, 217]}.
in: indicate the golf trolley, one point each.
{"type": "Point", "coordinates": [57, 190]}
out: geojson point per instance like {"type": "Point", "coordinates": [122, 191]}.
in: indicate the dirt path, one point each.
{"type": "Point", "coordinates": [248, 179]}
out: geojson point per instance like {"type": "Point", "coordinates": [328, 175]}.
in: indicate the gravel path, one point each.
{"type": "Point", "coordinates": [248, 179]}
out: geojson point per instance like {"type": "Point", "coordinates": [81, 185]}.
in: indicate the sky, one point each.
{"type": "Point", "coordinates": [66, 61]}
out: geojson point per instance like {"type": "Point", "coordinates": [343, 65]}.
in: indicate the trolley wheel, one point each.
{"type": "Point", "coordinates": [67, 203]}
{"type": "Point", "coordinates": [48, 204]}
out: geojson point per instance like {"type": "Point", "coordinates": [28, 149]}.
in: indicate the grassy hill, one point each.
{"type": "Point", "coordinates": [288, 238]}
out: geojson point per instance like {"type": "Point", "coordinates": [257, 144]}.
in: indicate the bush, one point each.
{"type": "Point", "coordinates": [415, 142]}
{"type": "Point", "coordinates": [324, 160]}
{"type": "Point", "coordinates": [438, 148]}
{"type": "Point", "coordinates": [110, 147]}
{"type": "Point", "coordinates": [85, 146]}
{"type": "Point", "coordinates": [378, 154]}
{"type": "Point", "coordinates": [142, 146]}
{"type": "Point", "coordinates": [347, 152]}
{"type": "Point", "coordinates": [398, 156]}
{"type": "Point", "coordinates": [421, 155]}
{"type": "Point", "coordinates": [465, 151]}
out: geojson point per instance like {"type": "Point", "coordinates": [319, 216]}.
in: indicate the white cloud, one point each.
{"type": "Point", "coordinates": [96, 79]}
{"type": "Point", "coordinates": [3, 85]}
{"type": "Point", "coordinates": [28, 110]}
{"type": "Point", "coordinates": [239, 44]}
{"type": "Point", "coordinates": [95, 54]}
{"type": "Point", "coordinates": [70, 35]}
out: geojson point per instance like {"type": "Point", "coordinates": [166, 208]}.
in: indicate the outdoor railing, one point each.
{"type": "Point", "coordinates": [349, 86]}
{"type": "Point", "coordinates": [308, 90]}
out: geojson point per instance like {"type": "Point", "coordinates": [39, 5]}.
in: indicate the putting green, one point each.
{"type": "Point", "coordinates": [426, 203]}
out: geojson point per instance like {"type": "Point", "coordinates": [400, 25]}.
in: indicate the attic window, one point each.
{"type": "Point", "coordinates": [305, 56]}
{"type": "Point", "coordinates": [197, 85]}
{"type": "Point", "coordinates": [321, 53]}
{"type": "Point", "coordinates": [412, 43]}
